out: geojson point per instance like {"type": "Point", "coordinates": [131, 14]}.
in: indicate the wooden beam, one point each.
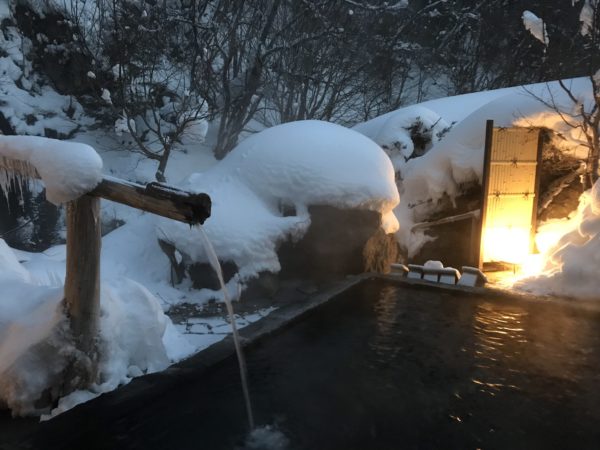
{"type": "Point", "coordinates": [156, 198]}
{"type": "Point", "coordinates": [538, 177]}
{"type": "Point", "coordinates": [450, 219]}
{"type": "Point", "coordinates": [82, 285]}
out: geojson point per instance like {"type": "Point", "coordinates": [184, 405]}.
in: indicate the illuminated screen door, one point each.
{"type": "Point", "coordinates": [510, 193]}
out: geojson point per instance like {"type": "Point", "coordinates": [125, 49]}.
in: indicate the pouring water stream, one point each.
{"type": "Point", "coordinates": [214, 262]}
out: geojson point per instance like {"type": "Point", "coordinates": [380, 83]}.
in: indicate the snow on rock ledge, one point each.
{"type": "Point", "coordinates": [68, 169]}
{"type": "Point", "coordinates": [316, 163]}
{"type": "Point", "coordinates": [395, 132]}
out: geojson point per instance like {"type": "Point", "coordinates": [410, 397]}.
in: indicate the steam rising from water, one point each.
{"type": "Point", "coordinates": [266, 438]}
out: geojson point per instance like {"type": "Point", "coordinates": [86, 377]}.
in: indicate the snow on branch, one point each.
{"type": "Point", "coordinates": [401, 4]}
{"type": "Point", "coordinates": [535, 26]}
{"type": "Point", "coordinates": [586, 17]}
{"type": "Point", "coordinates": [68, 169]}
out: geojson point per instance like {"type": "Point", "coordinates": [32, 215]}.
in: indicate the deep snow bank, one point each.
{"type": "Point", "coordinates": [68, 169]}
{"type": "Point", "coordinates": [35, 343]}
{"type": "Point", "coordinates": [294, 165]}
{"type": "Point", "coordinates": [572, 265]}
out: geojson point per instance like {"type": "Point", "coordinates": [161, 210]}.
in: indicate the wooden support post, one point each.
{"type": "Point", "coordinates": [82, 284]}
{"type": "Point", "coordinates": [485, 190]}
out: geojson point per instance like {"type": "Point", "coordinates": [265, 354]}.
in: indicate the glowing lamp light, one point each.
{"type": "Point", "coordinates": [532, 265]}
{"type": "Point", "coordinates": [506, 244]}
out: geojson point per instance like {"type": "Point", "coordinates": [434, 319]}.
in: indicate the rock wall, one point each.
{"type": "Point", "coordinates": [338, 242]}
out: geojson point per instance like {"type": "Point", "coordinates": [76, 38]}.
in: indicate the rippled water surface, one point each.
{"type": "Point", "coordinates": [388, 367]}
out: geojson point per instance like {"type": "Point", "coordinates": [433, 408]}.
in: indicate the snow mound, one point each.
{"type": "Point", "coordinates": [399, 131]}
{"type": "Point", "coordinates": [10, 268]}
{"type": "Point", "coordinates": [315, 163]}
{"type": "Point", "coordinates": [573, 264]}
{"type": "Point", "coordinates": [296, 165]}
{"type": "Point", "coordinates": [68, 169]}
{"type": "Point", "coordinates": [36, 345]}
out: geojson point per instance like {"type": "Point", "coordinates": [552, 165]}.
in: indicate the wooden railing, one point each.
{"type": "Point", "coordinates": [82, 281]}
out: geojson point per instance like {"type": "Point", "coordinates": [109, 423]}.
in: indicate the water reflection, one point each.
{"type": "Point", "coordinates": [499, 338]}
{"type": "Point", "coordinates": [515, 345]}
{"type": "Point", "coordinates": [384, 342]}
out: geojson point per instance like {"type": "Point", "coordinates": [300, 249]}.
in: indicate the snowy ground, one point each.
{"type": "Point", "coordinates": [136, 337]}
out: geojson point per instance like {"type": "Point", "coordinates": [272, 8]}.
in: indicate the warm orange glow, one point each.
{"type": "Point", "coordinates": [549, 234]}
{"type": "Point", "coordinates": [532, 265]}
{"type": "Point", "coordinates": [511, 245]}
{"type": "Point", "coordinates": [506, 244]}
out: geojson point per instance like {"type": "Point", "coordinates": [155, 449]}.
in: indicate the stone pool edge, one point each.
{"type": "Point", "coordinates": [491, 291]}
{"type": "Point", "coordinates": [280, 319]}
{"type": "Point", "coordinates": [275, 322]}
{"type": "Point", "coordinates": [129, 397]}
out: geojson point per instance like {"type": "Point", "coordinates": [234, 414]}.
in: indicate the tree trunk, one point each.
{"type": "Point", "coordinates": [162, 165]}
{"type": "Point", "coordinates": [226, 141]}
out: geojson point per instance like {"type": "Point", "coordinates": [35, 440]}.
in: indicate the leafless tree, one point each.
{"type": "Point", "coordinates": [582, 114]}
{"type": "Point", "coordinates": [142, 80]}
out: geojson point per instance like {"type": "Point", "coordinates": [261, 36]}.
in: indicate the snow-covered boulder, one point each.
{"type": "Point", "coordinates": [261, 192]}
{"type": "Point", "coordinates": [316, 163]}
{"type": "Point", "coordinates": [338, 242]}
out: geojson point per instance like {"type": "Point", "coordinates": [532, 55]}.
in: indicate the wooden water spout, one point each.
{"type": "Point", "coordinates": [82, 282]}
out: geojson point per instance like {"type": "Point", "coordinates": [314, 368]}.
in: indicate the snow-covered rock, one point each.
{"type": "Point", "coordinates": [315, 163]}
{"type": "Point", "coordinates": [290, 166]}
{"type": "Point", "coordinates": [406, 133]}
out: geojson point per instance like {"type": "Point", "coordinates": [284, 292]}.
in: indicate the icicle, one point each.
{"type": "Point", "coordinates": [13, 174]}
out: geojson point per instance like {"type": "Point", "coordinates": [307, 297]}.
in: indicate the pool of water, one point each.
{"type": "Point", "coordinates": [382, 367]}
